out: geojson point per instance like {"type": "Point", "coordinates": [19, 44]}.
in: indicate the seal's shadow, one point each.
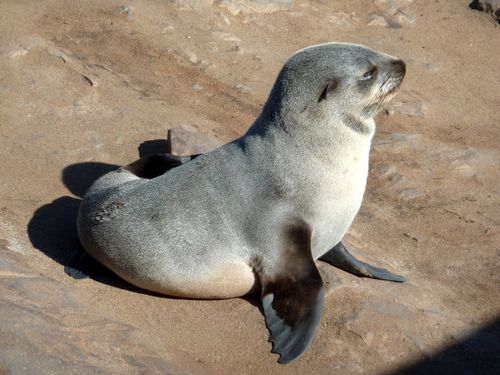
{"type": "Point", "coordinates": [52, 229]}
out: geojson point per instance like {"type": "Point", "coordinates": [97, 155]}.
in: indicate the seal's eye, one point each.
{"type": "Point", "coordinates": [369, 74]}
{"type": "Point", "coordinates": [327, 90]}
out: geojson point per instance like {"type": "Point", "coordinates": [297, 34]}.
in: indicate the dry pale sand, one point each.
{"type": "Point", "coordinates": [83, 84]}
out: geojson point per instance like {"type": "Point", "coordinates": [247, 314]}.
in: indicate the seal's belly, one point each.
{"type": "Point", "coordinates": [226, 281]}
{"type": "Point", "coordinates": [230, 280]}
{"type": "Point", "coordinates": [214, 282]}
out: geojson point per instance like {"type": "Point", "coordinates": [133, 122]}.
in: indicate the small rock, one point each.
{"type": "Point", "coordinates": [340, 18]}
{"type": "Point", "coordinates": [397, 179]}
{"type": "Point", "coordinates": [493, 232]}
{"type": "Point", "coordinates": [125, 9]}
{"type": "Point", "coordinates": [414, 108]}
{"type": "Point", "coordinates": [224, 17]}
{"type": "Point", "coordinates": [168, 29]}
{"type": "Point", "coordinates": [411, 237]}
{"type": "Point", "coordinates": [224, 35]}
{"type": "Point", "coordinates": [489, 6]}
{"type": "Point", "coordinates": [384, 171]}
{"type": "Point", "coordinates": [367, 337]}
{"type": "Point", "coordinates": [21, 51]}
{"type": "Point", "coordinates": [197, 87]}
{"type": "Point", "coordinates": [463, 168]}
{"type": "Point", "coordinates": [431, 67]}
{"type": "Point", "coordinates": [54, 51]}
{"type": "Point", "coordinates": [193, 59]}
{"type": "Point", "coordinates": [193, 4]}
{"type": "Point", "coordinates": [404, 18]}
{"type": "Point", "coordinates": [393, 309]}
{"type": "Point", "coordinates": [235, 7]}
{"type": "Point", "coordinates": [394, 12]}
{"type": "Point", "coordinates": [236, 48]}
{"type": "Point", "coordinates": [74, 273]}
{"type": "Point", "coordinates": [41, 43]}
{"type": "Point", "coordinates": [378, 20]}
{"type": "Point", "coordinates": [409, 194]}
{"type": "Point", "coordinates": [90, 80]}
{"type": "Point", "coordinates": [186, 142]}
{"type": "Point", "coordinates": [396, 142]}
{"type": "Point", "coordinates": [244, 89]}
{"type": "Point", "coordinates": [331, 281]}
{"type": "Point", "coordinates": [391, 7]}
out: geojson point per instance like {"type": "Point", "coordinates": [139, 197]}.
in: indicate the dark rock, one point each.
{"type": "Point", "coordinates": [489, 6]}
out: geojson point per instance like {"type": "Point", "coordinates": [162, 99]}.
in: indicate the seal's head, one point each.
{"type": "Point", "coordinates": [333, 81]}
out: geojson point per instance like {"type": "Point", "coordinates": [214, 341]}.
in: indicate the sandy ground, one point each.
{"type": "Point", "coordinates": [84, 84]}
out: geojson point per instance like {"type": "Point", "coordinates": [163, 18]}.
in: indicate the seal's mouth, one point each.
{"type": "Point", "coordinates": [386, 91]}
{"type": "Point", "coordinates": [390, 85]}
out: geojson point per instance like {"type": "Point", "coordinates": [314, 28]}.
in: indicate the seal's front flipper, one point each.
{"type": "Point", "coordinates": [292, 295]}
{"type": "Point", "coordinates": [152, 166]}
{"type": "Point", "coordinates": [339, 257]}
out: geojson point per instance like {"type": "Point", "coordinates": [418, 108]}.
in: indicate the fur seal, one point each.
{"type": "Point", "coordinates": [257, 212]}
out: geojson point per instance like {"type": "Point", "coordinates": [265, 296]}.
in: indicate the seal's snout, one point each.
{"type": "Point", "coordinates": [399, 67]}
{"type": "Point", "coordinates": [395, 70]}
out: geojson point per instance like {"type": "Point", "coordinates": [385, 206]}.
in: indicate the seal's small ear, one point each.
{"type": "Point", "coordinates": [327, 90]}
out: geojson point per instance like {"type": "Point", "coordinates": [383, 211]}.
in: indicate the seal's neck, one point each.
{"type": "Point", "coordinates": [318, 130]}
{"type": "Point", "coordinates": [358, 124]}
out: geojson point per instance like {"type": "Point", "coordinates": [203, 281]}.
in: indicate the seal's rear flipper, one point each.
{"type": "Point", "coordinates": [339, 257]}
{"type": "Point", "coordinates": [292, 296]}
{"type": "Point", "coordinates": [152, 166]}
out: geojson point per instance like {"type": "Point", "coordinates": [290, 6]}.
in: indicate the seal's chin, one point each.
{"type": "Point", "coordinates": [386, 91]}
{"type": "Point", "coordinates": [388, 88]}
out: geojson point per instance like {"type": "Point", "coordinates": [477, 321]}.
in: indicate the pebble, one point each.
{"type": "Point", "coordinates": [413, 108]}
{"type": "Point", "coordinates": [391, 7]}
{"type": "Point", "coordinates": [378, 20]}
{"type": "Point", "coordinates": [393, 13]}
{"type": "Point", "coordinates": [21, 51]}
{"type": "Point", "coordinates": [224, 35]}
{"type": "Point", "coordinates": [27, 45]}
{"type": "Point", "coordinates": [397, 179]}
{"type": "Point", "coordinates": [125, 9]}
{"type": "Point", "coordinates": [192, 4]}
{"type": "Point", "coordinates": [236, 7]}
{"type": "Point", "coordinates": [243, 89]}
{"type": "Point", "coordinates": [54, 51]}
{"type": "Point", "coordinates": [340, 19]}
{"type": "Point", "coordinates": [384, 170]}
{"type": "Point", "coordinates": [489, 6]}
{"type": "Point", "coordinates": [463, 168]}
{"type": "Point", "coordinates": [404, 18]}
{"type": "Point", "coordinates": [193, 59]}
{"type": "Point", "coordinates": [74, 273]}
{"type": "Point", "coordinates": [168, 29]}
{"type": "Point", "coordinates": [409, 194]}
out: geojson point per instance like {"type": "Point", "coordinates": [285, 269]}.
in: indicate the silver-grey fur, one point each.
{"type": "Point", "coordinates": [207, 228]}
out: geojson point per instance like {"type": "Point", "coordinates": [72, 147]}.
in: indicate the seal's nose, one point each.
{"type": "Point", "coordinates": [399, 66]}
